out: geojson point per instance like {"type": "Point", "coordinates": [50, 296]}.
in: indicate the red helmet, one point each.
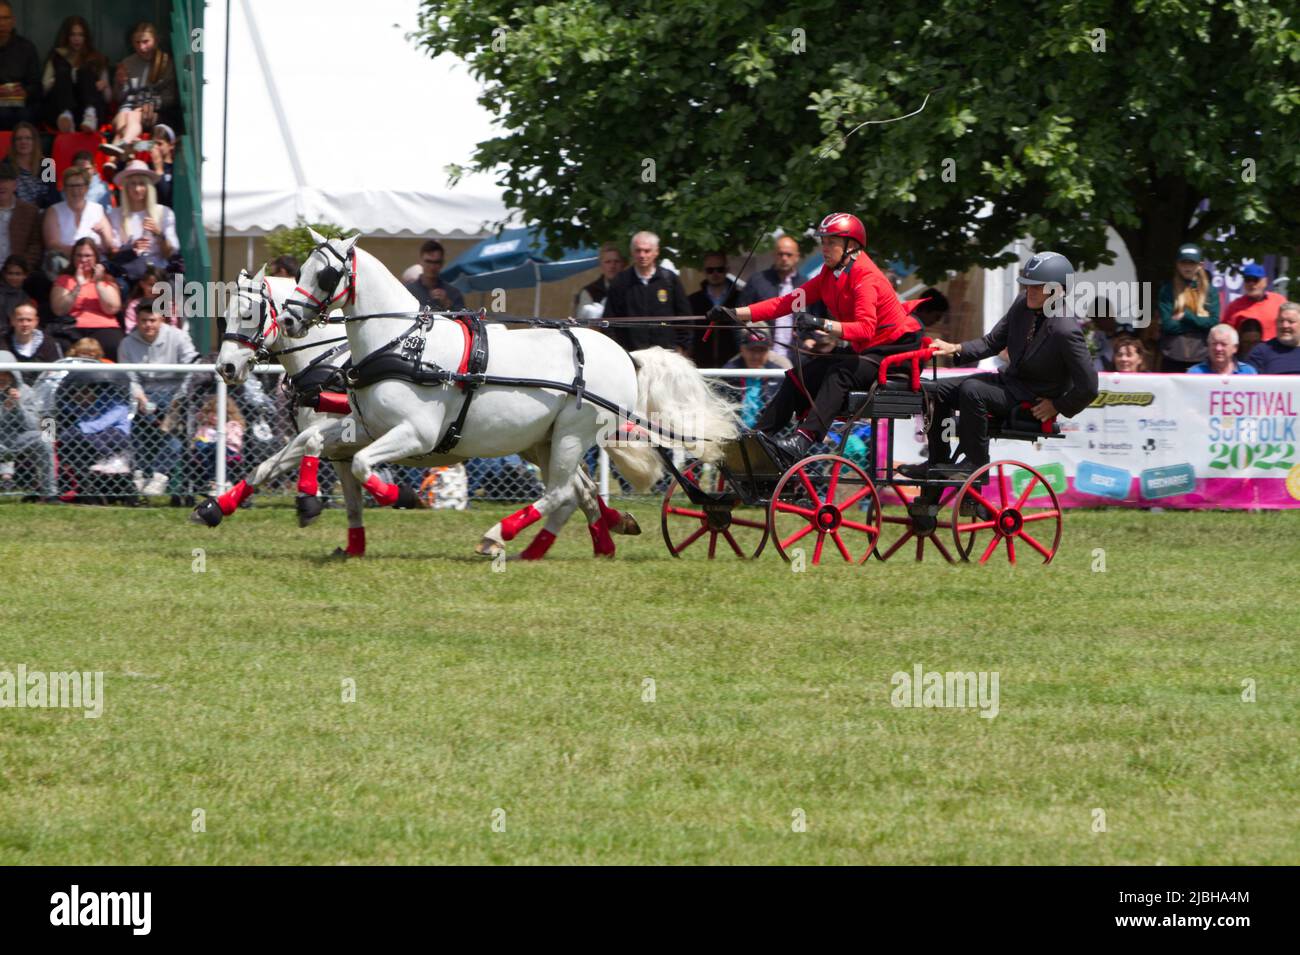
{"type": "Point", "coordinates": [843, 224]}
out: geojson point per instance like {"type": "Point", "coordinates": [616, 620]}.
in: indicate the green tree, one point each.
{"type": "Point", "coordinates": [297, 241]}
{"type": "Point", "coordinates": [1169, 120]}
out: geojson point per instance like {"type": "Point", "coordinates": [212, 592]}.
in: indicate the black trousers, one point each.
{"type": "Point", "coordinates": [977, 398]}
{"type": "Point", "coordinates": [74, 96]}
{"type": "Point", "coordinates": [828, 379]}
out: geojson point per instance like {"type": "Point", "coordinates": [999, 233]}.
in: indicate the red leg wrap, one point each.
{"type": "Point", "coordinates": [517, 521]}
{"type": "Point", "coordinates": [333, 402]}
{"type": "Point", "coordinates": [356, 541]}
{"type": "Point", "coordinates": [385, 495]}
{"type": "Point", "coordinates": [601, 544]}
{"type": "Point", "coordinates": [540, 545]}
{"type": "Point", "coordinates": [307, 475]}
{"type": "Point", "coordinates": [232, 498]}
{"type": "Point", "coordinates": [611, 517]}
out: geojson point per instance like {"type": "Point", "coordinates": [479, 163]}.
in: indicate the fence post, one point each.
{"type": "Point", "coordinates": [221, 435]}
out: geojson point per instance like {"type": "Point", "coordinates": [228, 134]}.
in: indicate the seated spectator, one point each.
{"type": "Point", "coordinates": [153, 285]}
{"type": "Point", "coordinates": [1256, 302]}
{"type": "Point", "coordinates": [716, 289]}
{"type": "Point", "coordinates": [1251, 333]}
{"type": "Point", "coordinates": [12, 293]}
{"type": "Point", "coordinates": [1131, 354]}
{"type": "Point", "coordinates": [20, 223]}
{"type": "Point", "coordinates": [144, 86]}
{"type": "Point", "coordinates": [152, 342]}
{"type": "Point", "coordinates": [21, 439]}
{"type": "Point", "coordinates": [590, 301]}
{"type": "Point", "coordinates": [87, 294]}
{"type": "Point", "coordinates": [1279, 355]}
{"type": "Point", "coordinates": [24, 340]}
{"type": "Point", "coordinates": [93, 425]}
{"type": "Point", "coordinates": [98, 189]}
{"type": "Point", "coordinates": [755, 353]}
{"type": "Point", "coordinates": [162, 153]}
{"type": "Point", "coordinates": [75, 80]}
{"type": "Point", "coordinates": [1223, 354]}
{"type": "Point", "coordinates": [1189, 308]}
{"type": "Point", "coordinates": [285, 267]}
{"type": "Point", "coordinates": [146, 230]}
{"type": "Point", "coordinates": [429, 289]}
{"type": "Point", "coordinates": [204, 449]}
{"type": "Point", "coordinates": [20, 72]}
{"type": "Point", "coordinates": [75, 219]}
{"type": "Point", "coordinates": [29, 163]}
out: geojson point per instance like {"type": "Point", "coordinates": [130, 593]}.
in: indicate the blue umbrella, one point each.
{"type": "Point", "coordinates": [514, 259]}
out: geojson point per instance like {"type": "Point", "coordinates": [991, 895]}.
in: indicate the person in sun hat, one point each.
{"type": "Point", "coordinates": [145, 228]}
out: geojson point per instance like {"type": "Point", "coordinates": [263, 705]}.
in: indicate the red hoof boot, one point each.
{"type": "Point", "coordinates": [540, 545]}
{"type": "Point", "coordinates": [601, 544]}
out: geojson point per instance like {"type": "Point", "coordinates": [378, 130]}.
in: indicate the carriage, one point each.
{"type": "Point", "coordinates": [855, 511]}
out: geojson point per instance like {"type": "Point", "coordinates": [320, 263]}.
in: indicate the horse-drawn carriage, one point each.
{"type": "Point", "coordinates": [840, 507]}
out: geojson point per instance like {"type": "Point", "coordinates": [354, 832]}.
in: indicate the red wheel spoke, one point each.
{"type": "Point", "coordinates": [1002, 485]}
{"type": "Point", "coordinates": [1034, 544]}
{"type": "Point", "coordinates": [1011, 549]}
{"type": "Point", "coordinates": [745, 522]}
{"type": "Point", "coordinates": [734, 546]}
{"type": "Point", "coordinates": [896, 545]}
{"type": "Point", "coordinates": [974, 492]}
{"type": "Point", "coordinates": [896, 520]}
{"type": "Point", "coordinates": [855, 497]}
{"type": "Point", "coordinates": [699, 532]}
{"type": "Point", "coordinates": [934, 539]}
{"type": "Point", "coordinates": [713, 544]}
{"type": "Point", "coordinates": [817, 551]}
{"type": "Point", "coordinates": [1024, 495]}
{"type": "Point", "coordinates": [988, 551]}
{"type": "Point", "coordinates": [1040, 516]}
{"type": "Point", "coordinates": [920, 547]}
{"type": "Point", "coordinates": [795, 509]}
{"type": "Point", "coordinates": [683, 512]}
{"type": "Point", "coordinates": [977, 526]}
{"type": "Point", "coordinates": [844, 551]}
{"type": "Point", "coordinates": [797, 535]}
{"type": "Point", "coordinates": [807, 484]}
{"type": "Point", "coordinates": [865, 528]}
{"type": "Point", "coordinates": [835, 479]}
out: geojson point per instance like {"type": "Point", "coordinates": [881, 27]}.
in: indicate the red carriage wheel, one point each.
{"type": "Point", "coordinates": [918, 529]}
{"type": "Point", "coordinates": [988, 513]}
{"type": "Point", "coordinates": [731, 529]}
{"type": "Point", "coordinates": [825, 504]}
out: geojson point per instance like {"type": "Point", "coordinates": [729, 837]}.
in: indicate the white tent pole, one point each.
{"type": "Point", "coordinates": [273, 94]}
{"type": "Point", "coordinates": [537, 289]}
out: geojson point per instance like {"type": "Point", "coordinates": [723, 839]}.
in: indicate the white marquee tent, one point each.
{"type": "Point", "coordinates": [335, 116]}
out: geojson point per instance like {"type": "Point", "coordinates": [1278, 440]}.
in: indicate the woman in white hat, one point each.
{"type": "Point", "coordinates": [141, 224]}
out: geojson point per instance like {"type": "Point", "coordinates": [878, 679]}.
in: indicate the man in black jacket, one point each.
{"type": "Point", "coordinates": [647, 288]}
{"type": "Point", "coordinates": [1047, 364]}
{"type": "Point", "coordinates": [20, 73]}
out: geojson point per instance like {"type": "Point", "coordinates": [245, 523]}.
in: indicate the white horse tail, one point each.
{"type": "Point", "coordinates": [674, 396]}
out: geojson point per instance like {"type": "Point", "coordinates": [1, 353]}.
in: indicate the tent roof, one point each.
{"type": "Point", "coordinates": [335, 116]}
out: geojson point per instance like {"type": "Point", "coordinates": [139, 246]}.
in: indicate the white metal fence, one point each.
{"type": "Point", "coordinates": [99, 432]}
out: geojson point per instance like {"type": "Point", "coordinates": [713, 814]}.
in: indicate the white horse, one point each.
{"type": "Point", "coordinates": [253, 329]}
{"type": "Point", "coordinates": [554, 426]}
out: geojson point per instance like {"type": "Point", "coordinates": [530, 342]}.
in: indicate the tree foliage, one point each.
{"type": "Point", "coordinates": [1185, 124]}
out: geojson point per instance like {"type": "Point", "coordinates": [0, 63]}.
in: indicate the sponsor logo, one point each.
{"type": "Point", "coordinates": [1293, 482]}
{"type": "Point", "coordinates": [1167, 481]}
{"type": "Point", "coordinates": [1157, 424]}
{"type": "Point", "coordinates": [1102, 480]}
{"type": "Point", "coordinates": [1110, 399]}
{"type": "Point", "coordinates": [1053, 474]}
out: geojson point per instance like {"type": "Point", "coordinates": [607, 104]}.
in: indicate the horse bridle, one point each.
{"type": "Point", "coordinates": [328, 279]}
{"type": "Point", "coordinates": [267, 321]}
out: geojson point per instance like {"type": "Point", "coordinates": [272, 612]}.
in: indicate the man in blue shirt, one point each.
{"type": "Point", "coordinates": [1222, 343]}
{"type": "Point", "coordinates": [1280, 356]}
{"type": "Point", "coordinates": [429, 289]}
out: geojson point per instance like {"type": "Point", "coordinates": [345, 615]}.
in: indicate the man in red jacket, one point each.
{"type": "Point", "coordinates": [865, 313]}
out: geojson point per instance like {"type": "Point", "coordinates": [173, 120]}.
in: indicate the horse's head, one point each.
{"type": "Point", "coordinates": [252, 326]}
{"type": "Point", "coordinates": [328, 278]}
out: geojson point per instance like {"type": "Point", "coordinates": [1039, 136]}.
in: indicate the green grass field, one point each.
{"type": "Point", "coordinates": [523, 691]}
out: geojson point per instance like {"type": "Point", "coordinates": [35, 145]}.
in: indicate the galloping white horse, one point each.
{"type": "Point", "coordinates": [510, 414]}
{"type": "Point", "coordinates": [254, 329]}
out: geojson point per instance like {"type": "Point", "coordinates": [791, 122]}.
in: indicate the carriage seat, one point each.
{"type": "Point", "coordinates": [1021, 425]}
{"type": "Point", "coordinates": [895, 400]}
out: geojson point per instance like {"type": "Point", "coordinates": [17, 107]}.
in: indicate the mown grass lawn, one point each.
{"type": "Point", "coordinates": [523, 691]}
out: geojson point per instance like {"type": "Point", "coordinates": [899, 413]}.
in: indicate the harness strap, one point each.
{"type": "Point", "coordinates": [473, 365]}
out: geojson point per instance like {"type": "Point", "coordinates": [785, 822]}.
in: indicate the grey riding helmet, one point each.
{"type": "Point", "coordinates": [1046, 267]}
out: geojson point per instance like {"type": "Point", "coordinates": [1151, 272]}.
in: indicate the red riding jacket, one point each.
{"type": "Point", "coordinates": [860, 297]}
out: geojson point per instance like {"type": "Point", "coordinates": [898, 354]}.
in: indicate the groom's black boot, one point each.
{"type": "Point", "coordinates": [795, 447]}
